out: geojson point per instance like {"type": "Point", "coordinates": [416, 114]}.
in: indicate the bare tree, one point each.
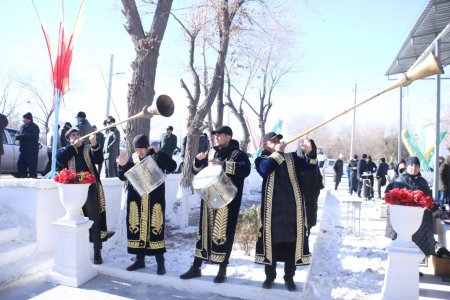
{"type": "Point", "coordinates": [45, 104]}
{"type": "Point", "coordinates": [259, 53]}
{"type": "Point", "coordinates": [224, 13]}
{"type": "Point", "coordinates": [9, 99]}
{"type": "Point", "coordinates": [141, 89]}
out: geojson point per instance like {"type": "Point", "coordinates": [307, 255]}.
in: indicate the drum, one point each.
{"type": "Point", "coordinates": [215, 187]}
{"type": "Point", "coordinates": [145, 176]}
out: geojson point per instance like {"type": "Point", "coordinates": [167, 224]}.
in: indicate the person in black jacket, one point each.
{"type": "Point", "coordinates": [413, 180]}
{"type": "Point", "coordinates": [371, 168]}
{"type": "Point", "coordinates": [62, 136]}
{"type": "Point", "coordinates": [381, 174]}
{"type": "Point", "coordinates": [353, 180]}
{"type": "Point", "coordinates": [312, 183]}
{"type": "Point", "coordinates": [338, 169]}
{"type": "Point", "coordinates": [111, 148]}
{"type": "Point", "coordinates": [3, 124]}
{"type": "Point", "coordinates": [360, 169]}
{"type": "Point", "coordinates": [28, 136]}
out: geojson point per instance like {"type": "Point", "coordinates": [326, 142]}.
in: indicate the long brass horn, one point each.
{"type": "Point", "coordinates": [429, 66]}
{"type": "Point", "coordinates": [162, 106]}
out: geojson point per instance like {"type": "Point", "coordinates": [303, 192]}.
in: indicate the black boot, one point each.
{"type": "Point", "coordinates": [271, 274]}
{"type": "Point", "coordinates": [139, 263]}
{"type": "Point", "coordinates": [161, 268]}
{"type": "Point", "coordinates": [191, 273]}
{"type": "Point", "coordinates": [290, 284]}
{"type": "Point", "coordinates": [268, 283]}
{"type": "Point", "coordinates": [98, 256]}
{"type": "Point", "coordinates": [221, 275]}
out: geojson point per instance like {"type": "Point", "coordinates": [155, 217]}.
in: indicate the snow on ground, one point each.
{"type": "Point", "coordinates": [348, 266]}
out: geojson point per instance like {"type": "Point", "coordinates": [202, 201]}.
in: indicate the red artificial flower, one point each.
{"type": "Point", "coordinates": [408, 197]}
{"type": "Point", "coordinates": [67, 176]}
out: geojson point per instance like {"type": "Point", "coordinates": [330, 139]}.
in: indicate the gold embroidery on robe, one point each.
{"type": "Point", "coordinates": [133, 217]}
{"type": "Point", "coordinates": [157, 219]}
{"type": "Point", "coordinates": [219, 234]}
{"type": "Point", "coordinates": [299, 207]}
{"type": "Point", "coordinates": [218, 257]}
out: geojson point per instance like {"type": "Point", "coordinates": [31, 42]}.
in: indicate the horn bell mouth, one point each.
{"type": "Point", "coordinates": [165, 106]}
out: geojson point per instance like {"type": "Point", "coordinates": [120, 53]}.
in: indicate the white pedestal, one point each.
{"type": "Point", "coordinates": [444, 235]}
{"type": "Point", "coordinates": [402, 277]}
{"type": "Point", "coordinates": [72, 266]}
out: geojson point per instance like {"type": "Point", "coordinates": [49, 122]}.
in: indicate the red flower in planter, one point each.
{"type": "Point", "coordinates": [408, 197]}
{"type": "Point", "coordinates": [67, 176]}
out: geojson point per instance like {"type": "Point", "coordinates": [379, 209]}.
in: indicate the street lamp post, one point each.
{"type": "Point", "coordinates": [108, 99]}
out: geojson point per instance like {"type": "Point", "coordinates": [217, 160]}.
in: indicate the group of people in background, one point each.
{"type": "Point", "coordinates": [365, 168]}
{"type": "Point", "coordinates": [406, 175]}
{"type": "Point", "coordinates": [363, 171]}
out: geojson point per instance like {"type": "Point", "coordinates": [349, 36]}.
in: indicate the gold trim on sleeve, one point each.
{"type": "Point", "coordinates": [279, 158]}
{"type": "Point", "coordinates": [230, 167]}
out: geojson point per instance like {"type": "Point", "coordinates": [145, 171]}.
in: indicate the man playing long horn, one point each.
{"type": "Point", "coordinates": [283, 235]}
{"type": "Point", "coordinates": [217, 227]}
{"type": "Point", "coordinates": [146, 214]}
{"type": "Point", "coordinates": [79, 156]}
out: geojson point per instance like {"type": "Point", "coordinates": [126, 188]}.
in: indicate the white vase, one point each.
{"type": "Point", "coordinates": [406, 221]}
{"type": "Point", "coordinates": [73, 197]}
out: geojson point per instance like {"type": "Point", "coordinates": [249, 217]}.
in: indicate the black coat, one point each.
{"type": "Point", "coordinates": [361, 168]}
{"type": "Point", "coordinates": [146, 215]}
{"type": "Point", "coordinates": [312, 183]}
{"type": "Point", "coordinates": [423, 237]}
{"type": "Point", "coordinates": [3, 124]}
{"type": "Point", "coordinates": [267, 165]}
{"type": "Point", "coordinates": [28, 135]}
{"type": "Point", "coordinates": [217, 227]}
{"type": "Point", "coordinates": [62, 136]}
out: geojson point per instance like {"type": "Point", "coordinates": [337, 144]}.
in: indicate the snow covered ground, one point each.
{"type": "Point", "coordinates": [347, 264]}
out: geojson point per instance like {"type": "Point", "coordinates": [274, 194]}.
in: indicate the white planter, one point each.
{"type": "Point", "coordinates": [73, 197]}
{"type": "Point", "coordinates": [401, 280]}
{"type": "Point", "coordinates": [406, 221]}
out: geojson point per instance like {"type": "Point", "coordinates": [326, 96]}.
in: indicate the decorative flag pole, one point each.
{"type": "Point", "coordinates": [60, 70]}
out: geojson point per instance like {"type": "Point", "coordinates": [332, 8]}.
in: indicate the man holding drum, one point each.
{"type": "Point", "coordinates": [217, 226]}
{"type": "Point", "coordinates": [145, 213]}
{"type": "Point", "coordinates": [283, 235]}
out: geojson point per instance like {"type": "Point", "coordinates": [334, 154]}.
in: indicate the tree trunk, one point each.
{"type": "Point", "coordinates": [141, 89]}
{"type": "Point", "coordinates": [219, 102]}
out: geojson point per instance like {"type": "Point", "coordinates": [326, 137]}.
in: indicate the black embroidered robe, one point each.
{"type": "Point", "coordinates": [216, 229]}
{"type": "Point", "coordinates": [84, 159]}
{"type": "Point", "coordinates": [146, 214]}
{"type": "Point", "coordinates": [289, 166]}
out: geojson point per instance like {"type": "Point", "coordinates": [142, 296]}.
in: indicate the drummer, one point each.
{"type": "Point", "coordinates": [145, 215]}
{"type": "Point", "coordinates": [217, 227]}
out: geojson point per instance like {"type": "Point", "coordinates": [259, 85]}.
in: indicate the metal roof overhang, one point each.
{"type": "Point", "coordinates": [433, 24]}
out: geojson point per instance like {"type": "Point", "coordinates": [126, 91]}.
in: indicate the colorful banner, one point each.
{"type": "Point", "coordinates": [414, 150]}
{"type": "Point", "coordinates": [61, 68]}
